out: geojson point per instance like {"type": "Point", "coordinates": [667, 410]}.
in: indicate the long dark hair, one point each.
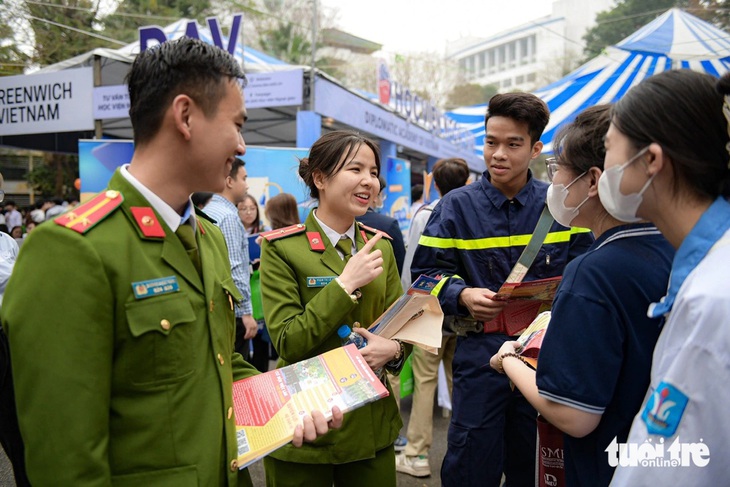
{"type": "Point", "coordinates": [256, 226]}
{"type": "Point", "coordinates": [682, 112]}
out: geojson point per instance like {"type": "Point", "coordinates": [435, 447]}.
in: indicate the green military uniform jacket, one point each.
{"type": "Point", "coordinates": [114, 389]}
{"type": "Point", "coordinates": [303, 315]}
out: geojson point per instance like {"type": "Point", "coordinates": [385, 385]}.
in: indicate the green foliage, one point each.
{"type": "Point", "coordinates": [131, 14]}
{"type": "Point", "coordinates": [470, 94]}
{"type": "Point", "coordinates": [55, 176]}
{"type": "Point", "coordinates": [54, 42]}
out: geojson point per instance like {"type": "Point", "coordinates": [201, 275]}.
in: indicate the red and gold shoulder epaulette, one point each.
{"type": "Point", "coordinates": [85, 216]}
{"type": "Point", "coordinates": [272, 235]}
{"type": "Point", "coordinates": [373, 230]}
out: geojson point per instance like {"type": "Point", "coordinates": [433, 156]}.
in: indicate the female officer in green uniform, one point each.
{"type": "Point", "coordinates": [310, 287]}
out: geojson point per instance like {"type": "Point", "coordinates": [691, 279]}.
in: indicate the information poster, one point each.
{"type": "Point", "coordinates": [270, 170]}
{"type": "Point", "coordinates": [397, 192]}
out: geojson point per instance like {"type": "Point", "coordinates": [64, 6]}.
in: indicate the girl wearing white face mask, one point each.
{"type": "Point", "coordinates": [672, 127]}
{"type": "Point", "coordinates": [596, 356]}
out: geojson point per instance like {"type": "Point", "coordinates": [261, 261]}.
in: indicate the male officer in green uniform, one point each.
{"type": "Point", "coordinates": [120, 313]}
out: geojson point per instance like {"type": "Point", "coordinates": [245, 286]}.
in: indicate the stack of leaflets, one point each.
{"type": "Point", "coordinates": [268, 407]}
{"type": "Point", "coordinates": [415, 318]}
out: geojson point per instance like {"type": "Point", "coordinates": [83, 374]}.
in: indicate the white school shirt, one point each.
{"type": "Point", "coordinates": [691, 363]}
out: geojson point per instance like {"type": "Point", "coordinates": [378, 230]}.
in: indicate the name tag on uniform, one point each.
{"type": "Point", "coordinates": [319, 281]}
{"type": "Point", "coordinates": [155, 287]}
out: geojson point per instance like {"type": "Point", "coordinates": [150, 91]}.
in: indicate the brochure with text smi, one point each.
{"type": "Point", "coordinates": [269, 406]}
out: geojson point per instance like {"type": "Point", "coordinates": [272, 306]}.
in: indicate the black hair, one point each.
{"type": "Point", "coordinates": [522, 107]}
{"type": "Point", "coordinates": [325, 155]}
{"type": "Point", "coordinates": [681, 110]}
{"type": "Point", "coordinates": [183, 66]}
{"type": "Point", "coordinates": [579, 145]}
{"type": "Point", "coordinates": [383, 183]}
{"type": "Point", "coordinates": [416, 192]}
{"type": "Point", "coordinates": [450, 174]}
{"type": "Point", "coordinates": [235, 166]}
{"type": "Point", "coordinates": [201, 198]}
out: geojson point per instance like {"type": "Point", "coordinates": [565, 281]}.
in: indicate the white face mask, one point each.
{"type": "Point", "coordinates": [622, 207]}
{"type": "Point", "coordinates": [556, 196]}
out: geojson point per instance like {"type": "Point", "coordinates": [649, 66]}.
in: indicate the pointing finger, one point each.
{"type": "Point", "coordinates": [371, 243]}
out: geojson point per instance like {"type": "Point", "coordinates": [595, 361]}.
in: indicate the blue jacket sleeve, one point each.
{"type": "Point", "coordinates": [436, 256]}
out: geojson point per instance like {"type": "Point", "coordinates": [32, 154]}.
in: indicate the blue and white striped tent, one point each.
{"type": "Point", "coordinates": [675, 40]}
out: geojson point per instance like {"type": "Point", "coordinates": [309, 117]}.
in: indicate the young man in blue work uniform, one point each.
{"type": "Point", "coordinates": [473, 239]}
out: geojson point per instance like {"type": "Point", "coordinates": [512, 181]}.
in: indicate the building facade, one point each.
{"type": "Point", "coordinates": [532, 54]}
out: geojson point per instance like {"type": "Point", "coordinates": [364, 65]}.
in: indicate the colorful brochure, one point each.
{"type": "Point", "coordinates": [525, 300]}
{"type": "Point", "coordinates": [531, 338]}
{"type": "Point", "coordinates": [269, 406]}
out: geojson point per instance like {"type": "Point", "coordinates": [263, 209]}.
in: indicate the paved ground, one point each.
{"type": "Point", "coordinates": [438, 450]}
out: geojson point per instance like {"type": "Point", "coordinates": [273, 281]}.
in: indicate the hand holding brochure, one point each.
{"type": "Point", "coordinates": [531, 338]}
{"type": "Point", "coordinates": [415, 318]}
{"type": "Point", "coordinates": [269, 406]}
{"type": "Point", "coordinates": [525, 300]}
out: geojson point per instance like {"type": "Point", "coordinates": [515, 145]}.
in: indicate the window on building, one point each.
{"type": "Point", "coordinates": [482, 63]}
{"type": "Point", "coordinates": [532, 43]}
{"type": "Point", "coordinates": [506, 83]}
{"type": "Point", "coordinates": [531, 77]}
{"type": "Point", "coordinates": [512, 54]}
{"type": "Point", "coordinates": [502, 58]}
{"type": "Point", "coordinates": [492, 66]}
{"type": "Point", "coordinates": [524, 51]}
{"type": "Point", "coordinates": [519, 79]}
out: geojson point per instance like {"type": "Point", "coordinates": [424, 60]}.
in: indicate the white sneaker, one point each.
{"type": "Point", "coordinates": [415, 466]}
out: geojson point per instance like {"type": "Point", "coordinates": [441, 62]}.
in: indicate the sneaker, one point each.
{"type": "Point", "coordinates": [400, 443]}
{"type": "Point", "coordinates": [415, 466]}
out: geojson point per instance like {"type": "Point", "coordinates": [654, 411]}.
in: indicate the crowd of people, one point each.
{"type": "Point", "coordinates": [18, 221]}
{"type": "Point", "coordinates": [116, 386]}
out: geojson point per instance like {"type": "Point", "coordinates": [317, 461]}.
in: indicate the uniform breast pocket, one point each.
{"type": "Point", "coordinates": [549, 262]}
{"type": "Point", "coordinates": [162, 335]}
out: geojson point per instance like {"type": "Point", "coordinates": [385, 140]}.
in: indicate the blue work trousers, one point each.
{"type": "Point", "coordinates": [493, 427]}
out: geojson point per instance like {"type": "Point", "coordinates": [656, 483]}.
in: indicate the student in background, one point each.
{"type": "Point", "coordinates": [248, 211]}
{"type": "Point", "coordinates": [281, 211]}
{"type": "Point", "coordinates": [448, 174]}
{"type": "Point", "coordinates": [222, 209]}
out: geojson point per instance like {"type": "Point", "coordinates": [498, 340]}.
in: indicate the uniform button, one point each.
{"type": "Point", "coordinates": [230, 412]}
{"type": "Point", "coordinates": [220, 359]}
{"type": "Point", "coordinates": [356, 324]}
{"type": "Point", "coordinates": [234, 465]}
{"type": "Point", "coordinates": [165, 325]}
